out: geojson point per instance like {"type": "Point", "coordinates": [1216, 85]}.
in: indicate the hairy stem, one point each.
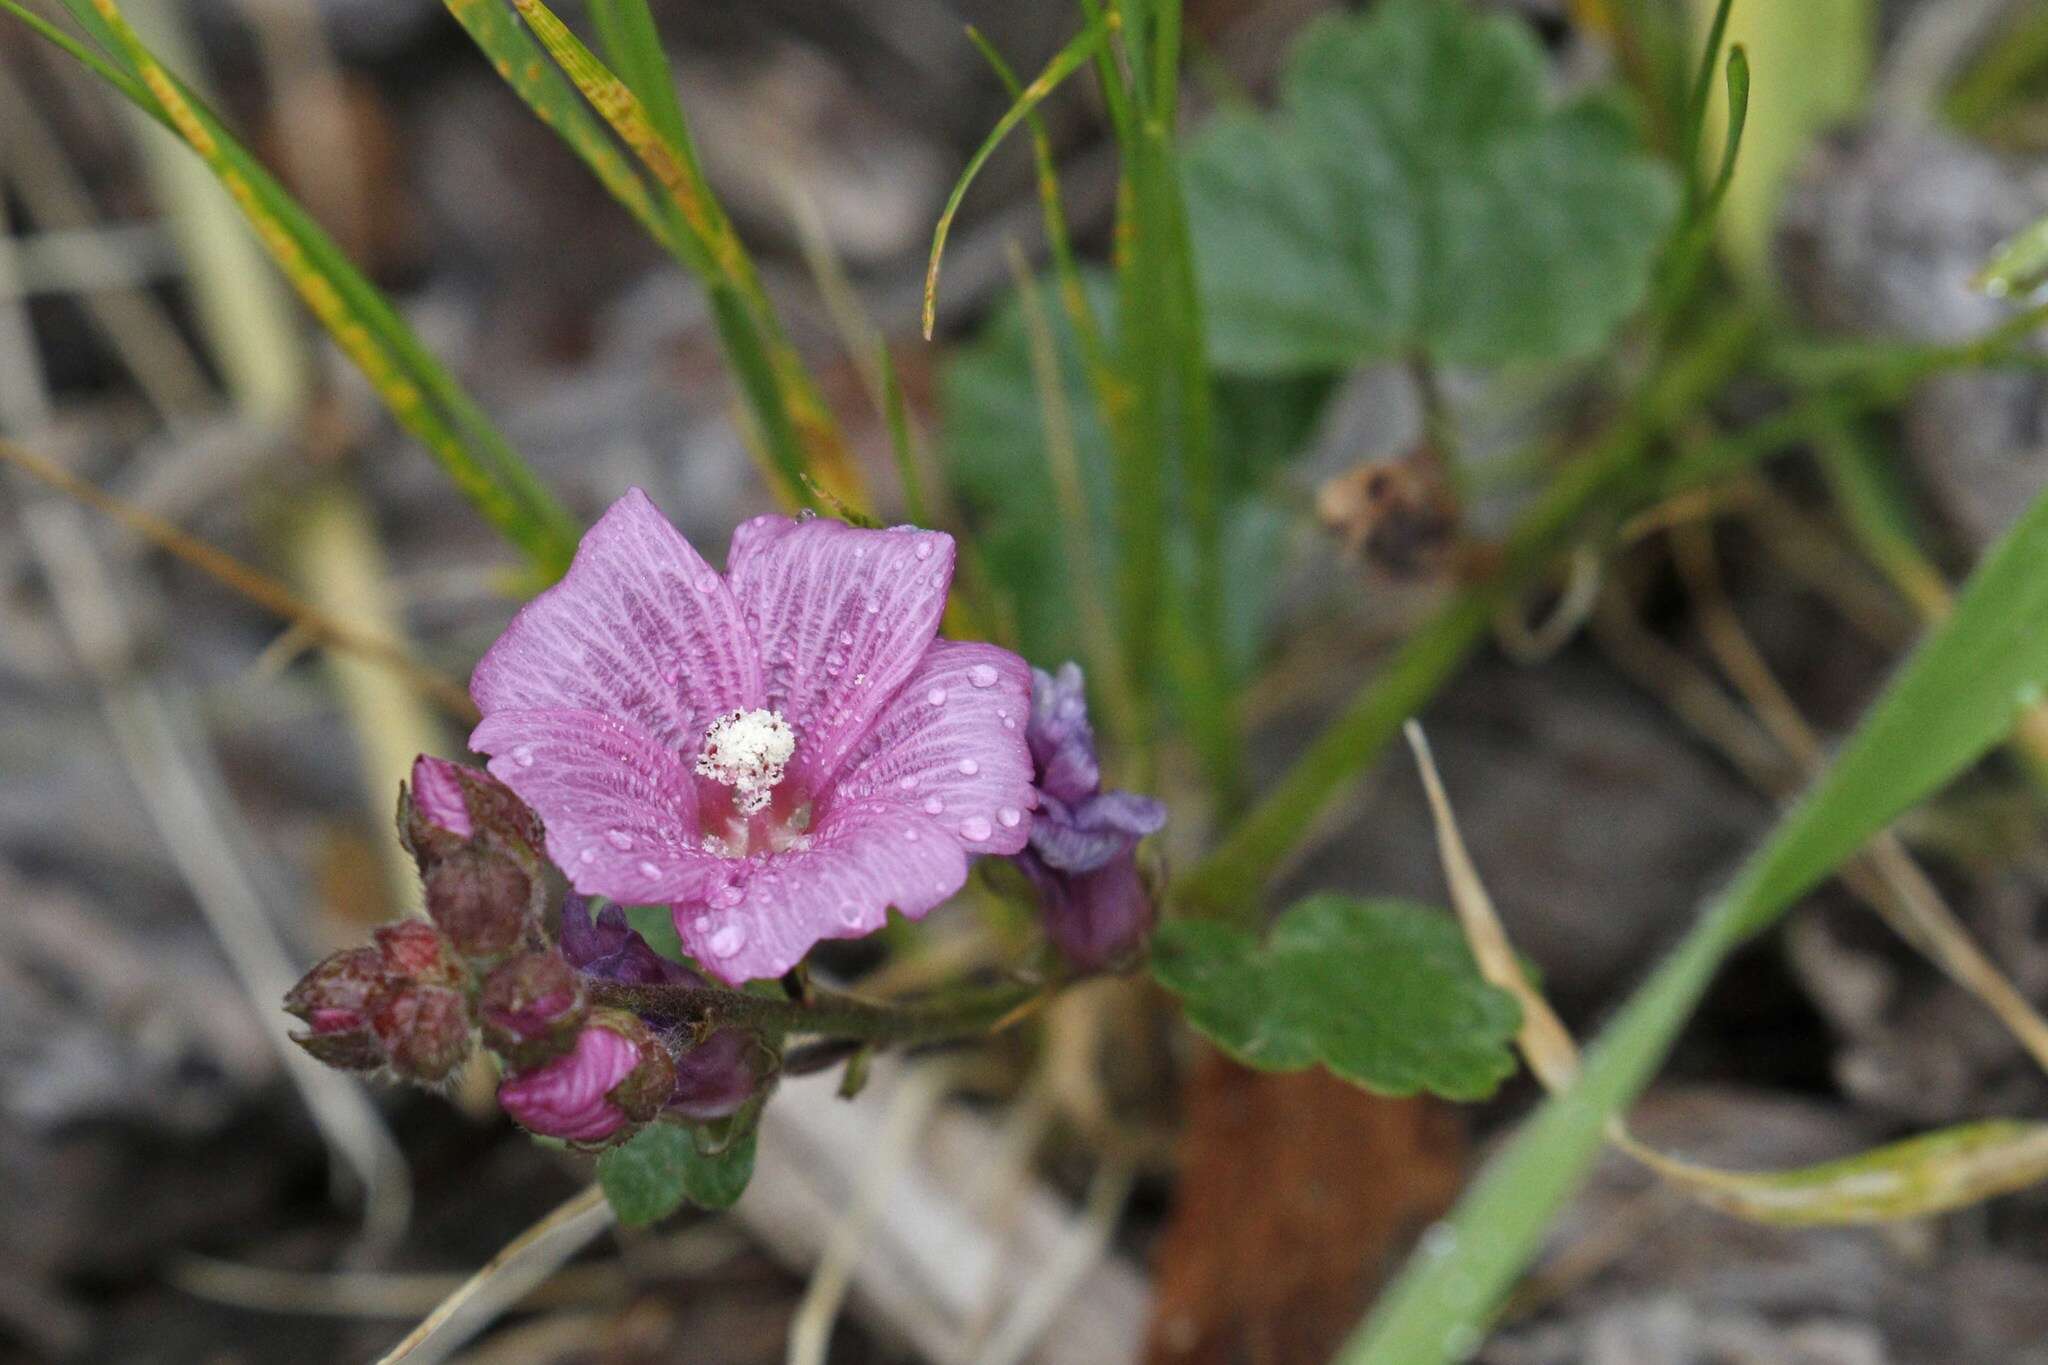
{"type": "Point", "coordinates": [831, 1014]}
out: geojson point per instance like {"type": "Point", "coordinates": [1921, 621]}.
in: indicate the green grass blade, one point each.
{"type": "Point", "coordinates": [1063, 64]}
{"type": "Point", "coordinates": [538, 82]}
{"type": "Point", "coordinates": [632, 43]}
{"type": "Point", "coordinates": [1961, 692]}
{"type": "Point", "coordinates": [804, 443]}
{"type": "Point", "coordinates": [419, 392]}
{"type": "Point", "coordinates": [2019, 264]}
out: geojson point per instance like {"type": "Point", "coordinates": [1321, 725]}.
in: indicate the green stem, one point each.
{"type": "Point", "coordinates": [829, 1013]}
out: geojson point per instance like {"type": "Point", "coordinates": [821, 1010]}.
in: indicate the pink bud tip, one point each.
{"type": "Point", "coordinates": [567, 1098]}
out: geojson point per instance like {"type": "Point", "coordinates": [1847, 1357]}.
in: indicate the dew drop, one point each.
{"type": "Point", "coordinates": [1010, 816]}
{"type": "Point", "coordinates": [523, 755]}
{"type": "Point", "coordinates": [968, 767]}
{"type": "Point", "coordinates": [850, 915]}
{"type": "Point", "coordinates": [707, 583]}
{"type": "Point", "coordinates": [932, 805]}
{"type": "Point", "coordinates": [938, 888]}
{"type": "Point", "coordinates": [1009, 724]}
{"type": "Point", "coordinates": [618, 839]}
{"type": "Point", "coordinates": [975, 827]}
{"type": "Point", "coordinates": [924, 549]}
{"type": "Point", "coordinates": [588, 855]}
{"type": "Point", "coordinates": [909, 836]}
{"type": "Point", "coordinates": [874, 606]}
{"type": "Point", "coordinates": [648, 869]}
{"type": "Point", "coordinates": [982, 675]}
{"type": "Point", "coordinates": [701, 923]}
{"type": "Point", "coordinates": [907, 783]}
{"type": "Point", "coordinates": [937, 696]}
{"type": "Point", "coordinates": [728, 941]}
{"type": "Point", "coordinates": [845, 637]}
{"type": "Point", "coordinates": [731, 895]}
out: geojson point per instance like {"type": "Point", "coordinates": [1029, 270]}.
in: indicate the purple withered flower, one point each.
{"type": "Point", "coordinates": [617, 1074]}
{"type": "Point", "coordinates": [1082, 855]}
{"type": "Point", "coordinates": [779, 753]}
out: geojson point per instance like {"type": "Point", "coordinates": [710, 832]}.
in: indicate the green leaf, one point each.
{"type": "Point", "coordinates": [1383, 993]}
{"type": "Point", "coordinates": [663, 1167]}
{"type": "Point", "coordinates": [1960, 693]}
{"type": "Point", "coordinates": [1416, 191]}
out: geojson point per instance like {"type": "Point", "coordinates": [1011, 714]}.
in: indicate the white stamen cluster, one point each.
{"type": "Point", "coordinates": [747, 751]}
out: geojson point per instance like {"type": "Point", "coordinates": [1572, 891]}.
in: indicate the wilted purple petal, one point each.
{"type": "Point", "coordinates": [611, 949]}
{"type": "Point", "coordinates": [862, 858]}
{"type": "Point", "coordinates": [640, 629]}
{"type": "Point", "coordinates": [946, 747]}
{"type": "Point", "coordinates": [621, 811]}
{"type": "Point", "coordinates": [840, 616]}
{"type": "Point", "coordinates": [1062, 740]}
{"type": "Point", "coordinates": [566, 1098]}
{"type": "Point", "coordinates": [1096, 919]}
{"type": "Point", "coordinates": [437, 795]}
{"type": "Point", "coordinates": [1090, 834]}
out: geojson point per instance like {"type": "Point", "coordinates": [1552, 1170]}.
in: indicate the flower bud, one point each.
{"type": "Point", "coordinates": [424, 1030]}
{"type": "Point", "coordinates": [615, 1076]}
{"type": "Point", "coordinates": [414, 950]}
{"type": "Point", "coordinates": [476, 845]}
{"type": "Point", "coordinates": [531, 1007]}
{"type": "Point", "coordinates": [450, 805]}
{"type": "Point", "coordinates": [332, 1000]}
{"type": "Point", "coordinates": [716, 1077]}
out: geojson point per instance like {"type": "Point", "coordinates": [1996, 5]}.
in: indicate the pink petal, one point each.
{"type": "Point", "coordinates": [566, 1097]}
{"type": "Point", "coordinates": [640, 628]}
{"type": "Point", "coordinates": [840, 616]}
{"type": "Point", "coordinates": [950, 745]}
{"type": "Point", "coordinates": [863, 858]}
{"type": "Point", "coordinates": [437, 794]}
{"type": "Point", "coordinates": [620, 810]}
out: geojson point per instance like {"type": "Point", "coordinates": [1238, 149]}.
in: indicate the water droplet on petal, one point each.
{"type": "Point", "coordinates": [907, 783]}
{"type": "Point", "coordinates": [701, 923]}
{"type": "Point", "coordinates": [1009, 724]}
{"type": "Point", "coordinates": [874, 606]}
{"type": "Point", "coordinates": [850, 915]}
{"type": "Point", "coordinates": [975, 827]}
{"type": "Point", "coordinates": [1010, 816]}
{"type": "Point", "coordinates": [728, 941]}
{"type": "Point", "coordinates": [845, 637]}
{"type": "Point", "coordinates": [523, 755]}
{"type": "Point", "coordinates": [618, 839]}
{"type": "Point", "coordinates": [932, 805]}
{"type": "Point", "coordinates": [707, 583]}
{"type": "Point", "coordinates": [909, 836]}
{"type": "Point", "coordinates": [968, 767]}
{"type": "Point", "coordinates": [588, 855]}
{"type": "Point", "coordinates": [924, 549]}
{"type": "Point", "coordinates": [937, 696]}
{"type": "Point", "coordinates": [648, 869]}
{"type": "Point", "coordinates": [731, 895]}
{"type": "Point", "coordinates": [982, 675]}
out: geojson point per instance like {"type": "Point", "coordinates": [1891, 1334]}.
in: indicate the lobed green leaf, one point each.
{"type": "Point", "coordinates": [664, 1167]}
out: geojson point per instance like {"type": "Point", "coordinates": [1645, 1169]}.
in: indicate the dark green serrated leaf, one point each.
{"type": "Point", "coordinates": [1383, 993]}
{"type": "Point", "coordinates": [662, 1167]}
{"type": "Point", "coordinates": [1416, 191]}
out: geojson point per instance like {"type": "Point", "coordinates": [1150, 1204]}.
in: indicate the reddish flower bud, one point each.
{"type": "Point", "coordinates": [415, 950]}
{"type": "Point", "coordinates": [424, 1030]}
{"type": "Point", "coordinates": [332, 1001]}
{"type": "Point", "coordinates": [615, 1076]}
{"type": "Point", "coordinates": [531, 1007]}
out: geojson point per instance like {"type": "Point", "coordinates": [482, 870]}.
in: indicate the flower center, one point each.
{"type": "Point", "coordinates": [748, 751]}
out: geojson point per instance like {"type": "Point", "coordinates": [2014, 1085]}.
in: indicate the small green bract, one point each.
{"type": "Point", "coordinates": [1384, 993]}
{"type": "Point", "coordinates": [661, 1169]}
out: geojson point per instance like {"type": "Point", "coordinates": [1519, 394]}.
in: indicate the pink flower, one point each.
{"type": "Point", "coordinates": [780, 753]}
